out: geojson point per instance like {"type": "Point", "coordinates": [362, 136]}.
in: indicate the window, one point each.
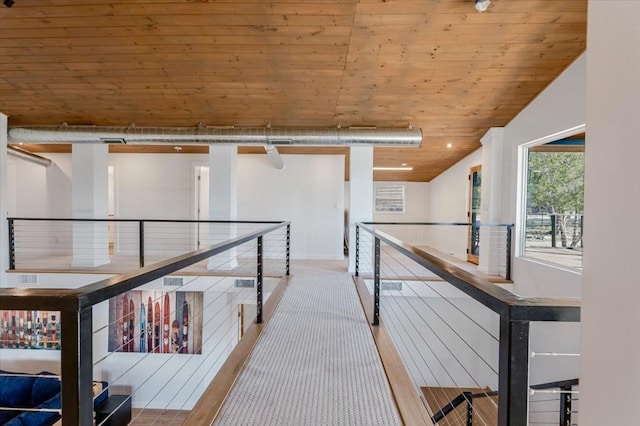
{"type": "Point", "coordinates": [555, 202]}
{"type": "Point", "coordinates": [389, 199]}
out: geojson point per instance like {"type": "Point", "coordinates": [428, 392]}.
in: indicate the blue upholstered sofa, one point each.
{"type": "Point", "coordinates": [26, 391]}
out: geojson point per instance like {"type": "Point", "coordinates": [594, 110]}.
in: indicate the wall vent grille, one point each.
{"type": "Point", "coordinates": [391, 285]}
{"type": "Point", "coordinates": [244, 283]}
{"type": "Point", "coordinates": [173, 282]}
{"type": "Point", "coordinates": [28, 279]}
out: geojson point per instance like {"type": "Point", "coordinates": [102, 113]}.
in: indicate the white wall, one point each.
{"type": "Point", "coordinates": [449, 202]}
{"type": "Point", "coordinates": [37, 191]}
{"type": "Point", "coordinates": [308, 191]}
{"type": "Point", "coordinates": [449, 191]}
{"type": "Point", "coordinates": [611, 286]}
{"type": "Point", "coordinates": [560, 107]}
{"type": "Point", "coordinates": [154, 186]}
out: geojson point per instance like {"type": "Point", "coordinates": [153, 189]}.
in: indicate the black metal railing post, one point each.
{"type": "Point", "coordinates": [565, 406]}
{"type": "Point", "coordinates": [141, 242]}
{"type": "Point", "coordinates": [553, 230]}
{"type": "Point", "coordinates": [507, 273]}
{"type": "Point", "coordinates": [259, 283]}
{"type": "Point", "coordinates": [376, 283]}
{"type": "Point", "coordinates": [12, 245]}
{"type": "Point", "coordinates": [357, 250]}
{"type": "Point", "coordinates": [288, 253]}
{"type": "Point", "coordinates": [76, 359]}
{"type": "Point", "coordinates": [513, 387]}
{"type": "Point", "coordinates": [469, 397]}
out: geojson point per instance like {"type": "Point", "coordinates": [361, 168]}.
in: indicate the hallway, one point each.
{"type": "Point", "coordinates": [316, 361]}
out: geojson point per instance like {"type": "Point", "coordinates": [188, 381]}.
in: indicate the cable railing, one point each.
{"type": "Point", "coordinates": [461, 337]}
{"type": "Point", "coordinates": [115, 245]}
{"type": "Point", "coordinates": [143, 346]}
{"type": "Point", "coordinates": [488, 244]}
{"type": "Point", "coordinates": [555, 403]}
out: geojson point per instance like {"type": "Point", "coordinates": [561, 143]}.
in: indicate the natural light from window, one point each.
{"type": "Point", "coordinates": [555, 202]}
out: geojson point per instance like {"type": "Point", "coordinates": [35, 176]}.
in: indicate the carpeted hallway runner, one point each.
{"type": "Point", "coordinates": [316, 362]}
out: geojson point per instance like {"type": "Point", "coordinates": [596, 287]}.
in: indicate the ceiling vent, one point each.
{"type": "Point", "coordinates": [113, 141]}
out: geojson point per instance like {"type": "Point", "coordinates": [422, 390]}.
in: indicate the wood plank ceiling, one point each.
{"type": "Point", "coordinates": [434, 64]}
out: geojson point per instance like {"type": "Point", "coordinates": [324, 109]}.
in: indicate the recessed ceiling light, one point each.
{"type": "Point", "coordinates": [449, 145]}
{"type": "Point", "coordinates": [404, 164]}
{"type": "Point", "coordinates": [482, 5]}
{"type": "Point", "coordinates": [398, 169]}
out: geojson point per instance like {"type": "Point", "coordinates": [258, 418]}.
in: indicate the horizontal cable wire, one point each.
{"type": "Point", "coordinates": [439, 339]}
{"type": "Point", "coordinates": [451, 328]}
{"type": "Point", "coordinates": [171, 355]}
{"type": "Point", "coordinates": [456, 307]}
{"type": "Point", "coordinates": [392, 327]}
{"type": "Point", "coordinates": [387, 265]}
{"type": "Point", "coordinates": [273, 250]}
{"type": "Point", "coordinates": [159, 299]}
{"type": "Point", "coordinates": [201, 361]}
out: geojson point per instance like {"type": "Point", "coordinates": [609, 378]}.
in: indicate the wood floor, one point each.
{"type": "Point", "coordinates": [158, 417]}
{"type": "Point", "coordinates": [485, 411]}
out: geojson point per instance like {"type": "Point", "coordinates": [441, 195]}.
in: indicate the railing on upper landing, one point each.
{"type": "Point", "coordinates": [459, 334]}
{"type": "Point", "coordinates": [157, 344]}
{"type": "Point", "coordinates": [464, 241]}
{"type": "Point", "coordinates": [54, 244]}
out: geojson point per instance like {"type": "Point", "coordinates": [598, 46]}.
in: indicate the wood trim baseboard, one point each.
{"type": "Point", "coordinates": [411, 405]}
{"type": "Point", "coordinates": [209, 405]}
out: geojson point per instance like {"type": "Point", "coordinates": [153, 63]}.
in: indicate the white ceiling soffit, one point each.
{"type": "Point", "coordinates": [351, 136]}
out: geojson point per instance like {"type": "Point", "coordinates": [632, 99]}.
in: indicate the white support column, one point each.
{"type": "Point", "coordinates": [90, 199]}
{"type": "Point", "coordinates": [360, 200]}
{"type": "Point", "coordinates": [4, 233]}
{"type": "Point", "coordinates": [223, 200]}
{"type": "Point", "coordinates": [492, 240]}
{"type": "Point", "coordinates": [610, 368]}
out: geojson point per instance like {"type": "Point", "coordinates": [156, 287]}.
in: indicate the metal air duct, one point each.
{"type": "Point", "coordinates": [352, 136]}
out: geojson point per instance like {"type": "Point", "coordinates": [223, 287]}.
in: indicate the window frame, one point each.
{"type": "Point", "coordinates": [522, 182]}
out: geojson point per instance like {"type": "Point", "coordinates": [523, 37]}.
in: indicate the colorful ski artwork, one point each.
{"type": "Point", "coordinates": [165, 324]}
{"type": "Point", "coordinates": [124, 326]}
{"type": "Point", "coordinates": [131, 339]}
{"type": "Point", "coordinates": [156, 328]}
{"type": "Point", "coordinates": [143, 327]}
{"type": "Point", "coordinates": [29, 329]}
{"type": "Point", "coordinates": [175, 337]}
{"type": "Point", "coordinates": [185, 328]}
{"type": "Point", "coordinates": [152, 321]}
{"type": "Point", "coordinates": [149, 324]}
